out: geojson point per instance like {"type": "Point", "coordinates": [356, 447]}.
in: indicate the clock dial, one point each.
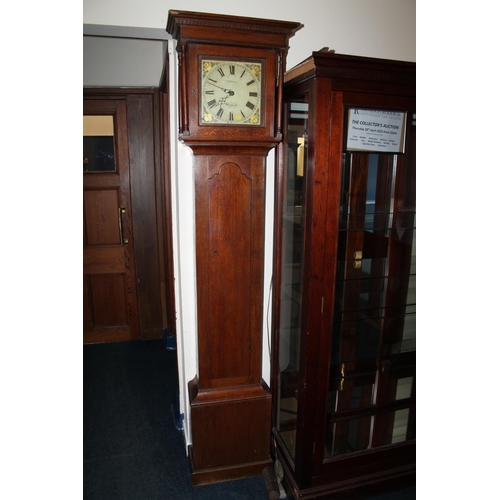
{"type": "Point", "coordinates": [231, 92]}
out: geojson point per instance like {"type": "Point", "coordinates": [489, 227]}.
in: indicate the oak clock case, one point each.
{"type": "Point", "coordinates": [230, 86]}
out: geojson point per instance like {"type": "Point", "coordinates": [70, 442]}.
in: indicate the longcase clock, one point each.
{"type": "Point", "coordinates": [230, 87]}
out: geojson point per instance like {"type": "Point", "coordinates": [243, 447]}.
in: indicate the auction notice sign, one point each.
{"type": "Point", "coordinates": [374, 130]}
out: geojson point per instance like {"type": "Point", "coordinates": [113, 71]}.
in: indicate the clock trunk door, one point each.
{"type": "Point", "coordinates": [110, 310]}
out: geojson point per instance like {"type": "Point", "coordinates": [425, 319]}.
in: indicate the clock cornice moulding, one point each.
{"type": "Point", "coordinates": [185, 26]}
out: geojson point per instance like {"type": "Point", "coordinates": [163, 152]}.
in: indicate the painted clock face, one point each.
{"type": "Point", "coordinates": [231, 93]}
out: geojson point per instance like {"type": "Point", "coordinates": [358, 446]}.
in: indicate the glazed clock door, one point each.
{"type": "Point", "coordinates": [110, 311]}
{"type": "Point", "coordinates": [371, 397]}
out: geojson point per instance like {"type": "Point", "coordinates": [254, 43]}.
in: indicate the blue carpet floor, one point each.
{"type": "Point", "coordinates": [132, 449]}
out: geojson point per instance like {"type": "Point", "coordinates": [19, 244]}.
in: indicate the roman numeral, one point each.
{"type": "Point", "coordinates": [244, 71]}
{"type": "Point", "coordinates": [231, 69]}
{"type": "Point", "coordinates": [209, 92]}
{"type": "Point", "coordinates": [212, 80]}
{"type": "Point", "coordinates": [211, 103]}
{"type": "Point", "coordinates": [242, 114]}
{"type": "Point", "coordinates": [250, 105]}
{"type": "Point", "coordinates": [220, 112]}
{"type": "Point", "coordinates": [250, 82]}
{"type": "Point", "coordinates": [253, 94]}
{"type": "Point", "coordinates": [231, 116]}
{"type": "Point", "coordinates": [220, 71]}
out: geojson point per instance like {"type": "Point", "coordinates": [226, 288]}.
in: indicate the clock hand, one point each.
{"type": "Point", "coordinates": [227, 91]}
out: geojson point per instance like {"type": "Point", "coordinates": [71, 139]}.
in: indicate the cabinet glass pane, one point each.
{"type": "Point", "coordinates": [394, 427]}
{"type": "Point", "coordinates": [98, 144]}
{"type": "Point", "coordinates": [347, 436]}
{"type": "Point", "coordinates": [293, 216]}
{"type": "Point", "coordinates": [352, 386]}
{"type": "Point", "coordinates": [352, 408]}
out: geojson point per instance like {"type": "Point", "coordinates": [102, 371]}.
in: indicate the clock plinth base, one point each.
{"type": "Point", "coordinates": [222, 474]}
{"type": "Point", "coordinates": [230, 433]}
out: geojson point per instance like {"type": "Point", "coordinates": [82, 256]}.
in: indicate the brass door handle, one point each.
{"type": "Point", "coordinates": [121, 211]}
{"type": "Point", "coordinates": [358, 255]}
{"type": "Point", "coordinates": [342, 374]}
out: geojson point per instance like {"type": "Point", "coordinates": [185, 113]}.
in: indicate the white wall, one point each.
{"type": "Point", "coordinates": [375, 28]}
{"type": "Point", "coordinates": [378, 28]}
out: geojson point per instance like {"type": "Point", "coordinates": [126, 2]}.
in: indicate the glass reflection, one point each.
{"type": "Point", "coordinates": [98, 144]}
{"type": "Point", "coordinates": [293, 217]}
{"type": "Point", "coordinates": [347, 436]}
{"type": "Point", "coordinates": [400, 426]}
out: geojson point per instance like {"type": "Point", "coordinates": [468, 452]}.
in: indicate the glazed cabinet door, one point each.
{"type": "Point", "coordinates": [371, 394]}
{"type": "Point", "coordinates": [370, 418]}
{"type": "Point", "coordinates": [291, 244]}
{"type": "Point", "coordinates": [345, 305]}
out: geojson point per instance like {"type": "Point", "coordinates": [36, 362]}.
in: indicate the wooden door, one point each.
{"type": "Point", "coordinates": [110, 311]}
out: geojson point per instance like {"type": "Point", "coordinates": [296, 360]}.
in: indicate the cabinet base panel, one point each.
{"type": "Point", "coordinates": [357, 488]}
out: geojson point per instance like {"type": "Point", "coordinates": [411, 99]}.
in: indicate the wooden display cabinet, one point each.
{"type": "Point", "coordinates": [343, 374]}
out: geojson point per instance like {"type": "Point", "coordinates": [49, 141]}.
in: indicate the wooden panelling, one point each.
{"type": "Point", "coordinates": [101, 209]}
{"type": "Point", "coordinates": [104, 260]}
{"type": "Point", "coordinates": [143, 136]}
{"type": "Point", "coordinates": [108, 300]}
